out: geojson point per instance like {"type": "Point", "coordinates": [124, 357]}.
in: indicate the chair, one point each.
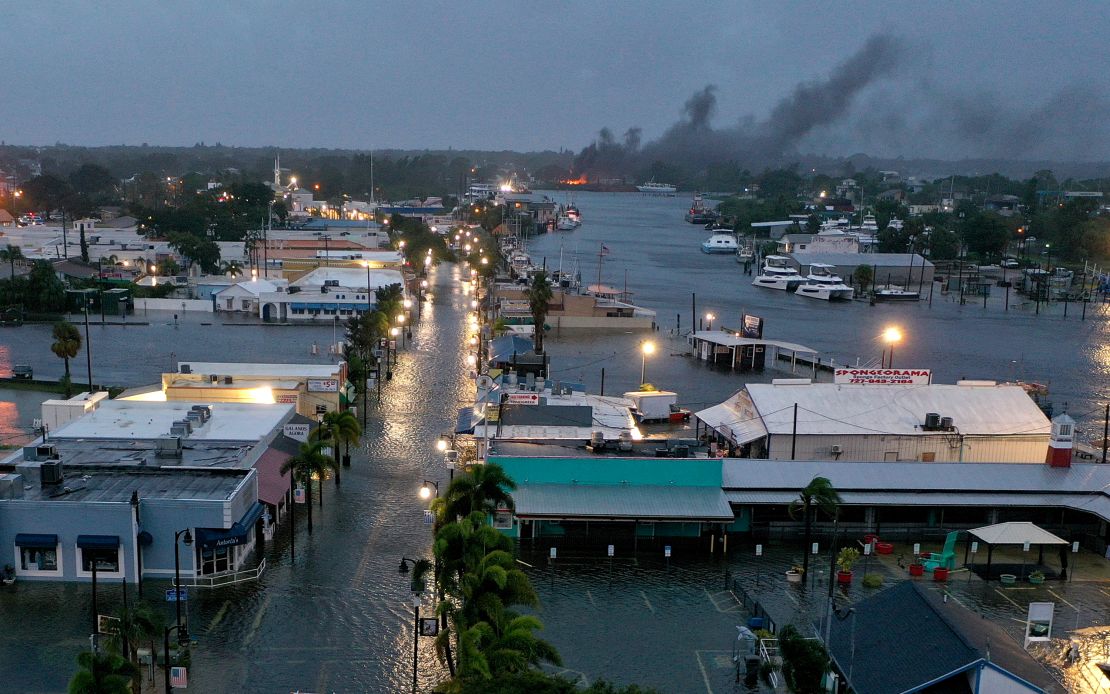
{"type": "Point", "coordinates": [946, 558]}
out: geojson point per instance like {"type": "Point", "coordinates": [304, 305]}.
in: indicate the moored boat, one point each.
{"type": "Point", "coordinates": [719, 243]}
{"type": "Point", "coordinates": [699, 212]}
{"type": "Point", "coordinates": [653, 188]}
{"type": "Point", "coordinates": [777, 273]}
{"type": "Point", "coordinates": [892, 292]}
{"type": "Point", "coordinates": [823, 283]}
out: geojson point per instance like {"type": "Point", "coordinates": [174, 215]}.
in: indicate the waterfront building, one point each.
{"type": "Point", "coordinates": [327, 292]}
{"type": "Point", "coordinates": [243, 297]}
{"type": "Point", "coordinates": [114, 486]}
{"type": "Point", "coordinates": [904, 269]}
{"type": "Point", "coordinates": [603, 309]}
{"type": "Point", "coordinates": [313, 389]}
{"type": "Point", "coordinates": [971, 421]}
{"type": "Point", "coordinates": [909, 639]}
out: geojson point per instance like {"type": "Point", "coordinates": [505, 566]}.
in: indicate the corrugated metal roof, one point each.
{"type": "Point", "coordinates": [732, 423]}
{"type": "Point", "coordinates": [854, 259]}
{"type": "Point", "coordinates": [726, 339]}
{"type": "Point", "coordinates": [1086, 478]}
{"type": "Point", "coordinates": [830, 408]}
{"type": "Point", "coordinates": [1016, 533]}
{"type": "Point", "coordinates": [621, 502]}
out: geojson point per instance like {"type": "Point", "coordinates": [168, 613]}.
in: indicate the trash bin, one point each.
{"type": "Point", "coordinates": [755, 623]}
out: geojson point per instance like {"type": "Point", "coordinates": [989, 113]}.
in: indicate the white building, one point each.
{"type": "Point", "coordinates": [326, 292]}
{"type": "Point", "coordinates": [243, 297]}
{"type": "Point", "coordinates": [977, 421]}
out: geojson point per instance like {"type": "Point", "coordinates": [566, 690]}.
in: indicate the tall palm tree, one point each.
{"type": "Point", "coordinates": [309, 461]}
{"type": "Point", "coordinates": [338, 427]}
{"type": "Point", "coordinates": [137, 624]}
{"type": "Point", "coordinates": [11, 254]}
{"type": "Point", "coordinates": [539, 296]}
{"type": "Point", "coordinates": [102, 673]}
{"type": "Point", "coordinates": [818, 494]}
{"type": "Point", "coordinates": [67, 342]}
{"type": "Point", "coordinates": [483, 488]}
{"type": "Point", "coordinates": [232, 268]}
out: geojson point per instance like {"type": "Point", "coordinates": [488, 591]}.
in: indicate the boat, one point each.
{"type": "Point", "coordinates": [720, 243]}
{"type": "Point", "coordinates": [823, 283]}
{"type": "Point", "coordinates": [653, 188]}
{"type": "Point", "coordinates": [777, 273]}
{"type": "Point", "coordinates": [699, 213]}
{"type": "Point", "coordinates": [745, 254]}
{"type": "Point", "coordinates": [565, 223]}
{"type": "Point", "coordinates": [892, 292]}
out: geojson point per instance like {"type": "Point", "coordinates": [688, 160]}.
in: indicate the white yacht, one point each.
{"type": "Point", "coordinates": [719, 243]}
{"type": "Point", "coordinates": [777, 273]}
{"type": "Point", "coordinates": [822, 283]}
{"type": "Point", "coordinates": [653, 188]}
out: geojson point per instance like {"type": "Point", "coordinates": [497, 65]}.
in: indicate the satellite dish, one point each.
{"type": "Point", "coordinates": [485, 382]}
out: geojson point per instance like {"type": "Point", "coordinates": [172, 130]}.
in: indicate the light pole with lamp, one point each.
{"type": "Point", "coordinates": [392, 347]}
{"type": "Point", "coordinates": [709, 318]}
{"type": "Point", "coordinates": [450, 454]}
{"type": "Point", "coordinates": [419, 567]}
{"type": "Point", "coordinates": [645, 349]}
{"type": "Point", "coordinates": [891, 336]}
{"type": "Point", "coordinates": [182, 635]}
{"type": "Point", "coordinates": [426, 489]}
{"type": "Point", "coordinates": [369, 308]}
{"type": "Point", "coordinates": [401, 323]}
{"type": "Point", "coordinates": [88, 345]}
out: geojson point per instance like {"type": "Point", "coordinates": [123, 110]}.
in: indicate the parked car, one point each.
{"type": "Point", "coordinates": [1010, 263]}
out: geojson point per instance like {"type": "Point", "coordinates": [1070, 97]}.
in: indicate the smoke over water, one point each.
{"type": "Point", "coordinates": [860, 107]}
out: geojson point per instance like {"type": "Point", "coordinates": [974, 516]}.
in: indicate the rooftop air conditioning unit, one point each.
{"type": "Point", "coordinates": [168, 447]}
{"type": "Point", "coordinates": [228, 380]}
{"type": "Point", "coordinates": [946, 424]}
{"type": "Point", "coordinates": [597, 439]}
{"type": "Point", "coordinates": [331, 283]}
{"type": "Point", "coordinates": [624, 441]}
{"type": "Point", "coordinates": [186, 369]}
{"type": "Point", "coordinates": [213, 378]}
{"type": "Point", "coordinates": [932, 421]}
{"type": "Point", "coordinates": [46, 452]}
{"type": "Point", "coordinates": [51, 472]}
{"type": "Point", "coordinates": [836, 449]}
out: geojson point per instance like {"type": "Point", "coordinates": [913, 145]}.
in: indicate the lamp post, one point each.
{"type": "Point", "coordinates": [892, 336]}
{"type": "Point", "coordinates": [709, 318]}
{"type": "Point", "coordinates": [645, 349]}
{"type": "Point", "coordinates": [416, 590]}
{"type": "Point", "coordinates": [426, 489]}
{"type": "Point", "coordinates": [166, 652]}
{"type": "Point", "coordinates": [368, 307]}
{"type": "Point", "coordinates": [401, 323]}
{"type": "Point", "coordinates": [181, 635]}
{"type": "Point", "coordinates": [393, 332]}
{"type": "Point", "coordinates": [88, 345]}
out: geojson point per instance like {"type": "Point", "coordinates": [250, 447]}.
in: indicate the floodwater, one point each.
{"type": "Point", "coordinates": [339, 617]}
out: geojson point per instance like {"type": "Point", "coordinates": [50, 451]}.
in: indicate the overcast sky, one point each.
{"type": "Point", "coordinates": [529, 75]}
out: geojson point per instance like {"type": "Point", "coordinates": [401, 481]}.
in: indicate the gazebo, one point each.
{"type": "Point", "coordinates": [1014, 533]}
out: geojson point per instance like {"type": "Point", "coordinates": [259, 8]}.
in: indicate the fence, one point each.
{"type": "Point", "coordinates": [753, 607]}
{"type": "Point", "coordinates": [173, 305]}
{"type": "Point", "coordinates": [227, 579]}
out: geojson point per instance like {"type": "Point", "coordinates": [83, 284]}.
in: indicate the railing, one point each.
{"type": "Point", "coordinates": [229, 577]}
{"type": "Point", "coordinates": [753, 607]}
{"type": "Point", "coordinates": [769, 653]}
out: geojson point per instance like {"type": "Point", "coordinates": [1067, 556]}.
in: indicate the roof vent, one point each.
{"type": "Point", "coordinates": [932, 421]}
{"type": "Point", "coordinates": [51, 472]}
{"type": "Point", "coordinates": [168, 447]}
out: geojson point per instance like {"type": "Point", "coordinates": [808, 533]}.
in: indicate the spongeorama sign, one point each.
{"type": "Point", "coordinates": [884, 377]}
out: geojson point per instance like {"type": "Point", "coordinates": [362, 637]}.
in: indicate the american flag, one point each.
{"type": "Point", "coordinates": [604, 249]}
{"type": "Point", "coordinates": [179, 677]}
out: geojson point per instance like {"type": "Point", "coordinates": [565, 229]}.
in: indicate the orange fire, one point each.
{"type": "Point", "coordinates": [580, 181]}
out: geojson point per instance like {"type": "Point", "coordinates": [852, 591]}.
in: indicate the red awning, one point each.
{"type": "Point", "coordinates": [272, 485]}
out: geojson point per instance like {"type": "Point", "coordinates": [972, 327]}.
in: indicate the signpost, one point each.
{"type": "Point", "coordinates": [523, 399]}
{"type": "Point", "coordinates": [172, 595]}
{"type": "Point", "coordinates": [611, 552]}
{"type": "Point", "coordinates": [429, 626]}
{"type": "Point", "coordinates": [429, 517]}
{"type": "Point", "coordinates": [107, 624]}
{"type": "Point", "coordinates": [179, 677]}
{"type": "Point", "coordinates": [884, 377]}
{"type": "Point", "coordinates": [751, 327]}
{"type": "Point", "coordinates": [1038, 622]}
{"type": "Point", "coordinates": [758, 553]}
{"type": "Point", "coordinates": [298, 495]}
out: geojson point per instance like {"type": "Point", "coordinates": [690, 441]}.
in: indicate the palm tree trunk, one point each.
{"type": "Point", "coordinates": [335, 449]}
{"type": "Point", "coordinates": [805, 545]}
{"type": "Point", "coordinates": [322, 473]}
{"type": "Point", "coordinates": [67, 366]}
{"type": "Point", "coordinates": [308, 498]}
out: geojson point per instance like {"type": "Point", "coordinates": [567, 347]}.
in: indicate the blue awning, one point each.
{"type": "Point", "coordinates": [36, 540]}
{"type": "Point", "coordinates": [98, 541]}
{"type": "Point", "coordinates": [237, 534]}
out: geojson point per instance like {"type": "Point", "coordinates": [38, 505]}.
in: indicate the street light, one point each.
{"type": "Point", "coordinates": [426, 489]}
{"type": "Point", "coordinates": [709, 318]}
{"type": "Point", "coordinates": [441, 444]}
{"type": "Point", "coordinates": [645, 349]}
{"type": "Point", "coordinates": [182, 635]}
{"type": "Point", "coordinates": [892, 336]}
{"type": "Point", "coordinates": [417, 587]}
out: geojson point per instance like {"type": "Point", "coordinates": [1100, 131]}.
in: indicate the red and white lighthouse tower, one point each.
{"type": "Point", "coordinates": [1063, 438]}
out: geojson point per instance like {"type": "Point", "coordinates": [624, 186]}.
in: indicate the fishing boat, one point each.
{"type": "Point", "coordinates": [892, 292]}
{"type": "Point", "coordinates": [699, 212]}
{"type": "Point", "coordinates": [777, 273]}
{"type": "Point", "coordinates": [823, 283]}
{"type": "Point", "coordinates": [565, 223]}
{"type": "Point", "coordinates": [653, 188]}
{"type": "Point", "coordinates": [719, 243]}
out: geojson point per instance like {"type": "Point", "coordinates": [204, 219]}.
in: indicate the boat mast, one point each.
{"type": "Point", "coordinates": [600, 253]}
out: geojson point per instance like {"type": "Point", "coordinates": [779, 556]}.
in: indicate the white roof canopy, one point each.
{"type": "Point", "coordinates": [1016, 533]}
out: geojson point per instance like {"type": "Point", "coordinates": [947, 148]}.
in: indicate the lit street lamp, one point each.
{"type": "Point", "coordinates": [426, 489]}
{"type": "Point", "coordinates": [892, 336]}
{"type": "Point", "coordinates": [645, 349]}
{"type": "Point", "coordinates": [709, 318]}
{"type": "Point", "coordinates": [182, 635]}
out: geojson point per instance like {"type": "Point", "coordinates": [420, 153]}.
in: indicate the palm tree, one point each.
{"type": "Point", "coordinates": [102, 673]}
{"type": "Point", "coordinates": [484, 488]}
{"type": "Point", "coordinates": [137, 624]}
{"type": "Point", "coordinates": [338, 427]}
{"type": "Point", "coordinates": [67, 343]}
{"type": "Point", "coordinates": [539, 296]}
{"type": "Point", "coordinates": [11, 254]}
{"type": "Point", "coordinates": [232, 268]}
{"type": "Point", "coordinates": [818, 494]}
{"type": "Point", "coordinates": [309, 461]}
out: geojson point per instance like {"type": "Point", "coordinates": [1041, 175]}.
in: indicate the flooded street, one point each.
{"type": "Point", "coordinates": [339, 617]}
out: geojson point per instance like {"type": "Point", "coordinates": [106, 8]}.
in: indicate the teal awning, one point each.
{"type": "Point", "coordinates": [36, 540]}
{"type": "Point", "coordinates": [622, 502]}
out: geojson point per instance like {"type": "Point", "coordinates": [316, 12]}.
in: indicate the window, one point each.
{"type": "Point", "coordinates": [107, 560]}
{"type": "Point", "coordinates": [215, 560]}
{"type": "Point", "coordinates": [38, 558]}
{"type": "Point", "coordinates": [1065, 430]}
{"type": "Point", "coordinates": [246, 304]}
{"type": "Point", "coordinates": [890, 456]}
{"type": "Point", "coordinates": [929, 457]}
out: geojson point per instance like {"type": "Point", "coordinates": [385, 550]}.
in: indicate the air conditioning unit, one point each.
{"type": "Point", "coordinates": [186, 369]}
{"type": "Point", "coordinates": [624, 441]}
{"type": "Point", "coordinates": [227, 380]}
{"type": "Point", "coordinates": [932, 421]}
{"type": "Point", "coordinates": [836, 449]}
{"type": "Point", "coordinates": [168, 447]}
{"type": "Point", "coordinates": [947, 424]}
{"type": "Point", "coordinates": [51, 472]}
{"type": "Point", "coordinates": [213, 378]}
{"type": "Point", "coordinates": [597, 439]}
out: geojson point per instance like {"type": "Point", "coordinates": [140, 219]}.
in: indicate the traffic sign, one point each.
{"type": "Point", "coordinates": [667, 551]}
{"type": "Point", "coordinates": [171, 595]}
{"type": "Point", "coordinates": [611, 550]}
{"type": "Point", "coordinates": [429, 626]}
{"type": "Point", "coordinates": [553, 552]}
{"type": "Point", "coordinates": [759, 550]}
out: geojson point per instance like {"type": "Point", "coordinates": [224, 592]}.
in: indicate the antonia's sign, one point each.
{"type": "Point", "coordinates": [885, 377]}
